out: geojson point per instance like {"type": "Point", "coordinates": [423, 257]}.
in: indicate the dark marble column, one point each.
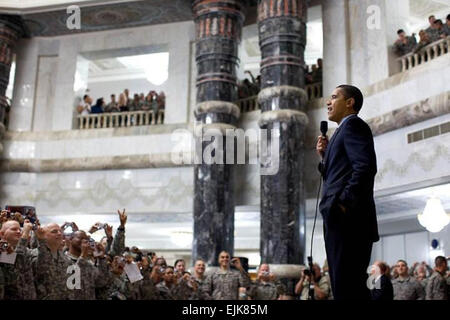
{"type": "Point", "coordinates": [10, 32]}
{"type": "Point", "coordinates": [218, 32]}
{"type": "Point", "coordinates": [282, 38]}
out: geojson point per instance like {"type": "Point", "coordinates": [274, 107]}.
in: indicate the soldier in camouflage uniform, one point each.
{"type": "Point", "coordinates": [224, 283]}
{"type": "Point", "coordinates": [319, 282]}
{"type": "Point", "coordinates": [266, 287]}
{"type": "Point", "coordinates": [406, 287]}
{"type": "Point", "coordinates": [118, 243]}
{"type": "Point", "coordinates": [404, 44]}
{"type": "Point", "coordinates": [199, 278]}
{"type": "Point", "coordinates": [169, 289]}
{"type": "Point", "coordinates": [118, 286]}
{"type": "Point", "coordinates": [18, 277]}
{"type": "Point", "coordinates": [50, 265]}
{"type": "Point", "coordinates": [91, 276]}
{"type": "Point", "coordinates": [146, 288]}
{"type": "Point", "coordinates": [437, 284]}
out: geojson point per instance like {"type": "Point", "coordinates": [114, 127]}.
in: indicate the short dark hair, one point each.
{"type": "Point", "coordinates": [350, 91]}
{"type": "Point", "coordinates": [400, 31]}
{"type": "Point", "coordinates": [401, 260]}
{"type": "Point", "coordinates": [178, 260]}
{"type": "Point", "coordinates": [448, 16]}
{"type": "Point", "coordinates": [85, 96]}
{"type": "Point", "coordinates": [439, 260]}
{"type": "Point", "coordinates": [432, 16]}
{"type": "Point", "coordinates": [438, 21]}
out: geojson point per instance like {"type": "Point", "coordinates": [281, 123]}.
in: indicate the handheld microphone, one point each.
{"type": "Point", "coordinates": [324, 128]}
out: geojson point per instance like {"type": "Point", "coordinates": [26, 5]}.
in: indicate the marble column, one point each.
{"type": "Point", "coordinates": [218, 33]}
{"type": "Point", "coordinates": [282, 38]}
{"type": "Point", "coordinates": [10, 32]}
{"type": "Point", "coordinates": [368, 43]}
{"type": "Point", "coordinates": [335, 45]}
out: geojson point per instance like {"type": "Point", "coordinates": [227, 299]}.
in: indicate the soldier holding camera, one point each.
{"type": "Point", "coordinates": [266, 287]}
{"type": "Point", "coordinates": [313, 281]}
{"type": "Point", "coordinates": [18, 276]}
{"type": "Point", "coordinates": [50, 264]}
{"type": "Point", "coordinates": [91, 277]}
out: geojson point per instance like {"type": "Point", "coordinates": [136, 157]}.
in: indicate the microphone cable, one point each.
{"type": "Point", "coordinates": [312, 234]}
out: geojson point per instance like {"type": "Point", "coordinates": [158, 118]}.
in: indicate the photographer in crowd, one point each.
{"type": "Point", "coordinates": [18, 279]}
{"type": "Point", "coordinates": [313, 280]}
{"type": "Point", "coordinates": [266, 286]}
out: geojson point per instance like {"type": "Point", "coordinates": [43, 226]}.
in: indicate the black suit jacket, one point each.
{"type": "Point", "coordinates": [383, 289]}
{"type": "Point", "coordinates": [348, 170]}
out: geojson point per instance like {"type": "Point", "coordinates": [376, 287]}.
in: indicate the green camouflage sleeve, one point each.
{"type": "Point", "coordinates": [281, 288]}
{"type": "Point", "coordinates": [43, 258]}
{"type": "Point", "coordinates": [207, 287]}
{"type": "Point", "coordinates": [148, 290]}
{"type": "Point", "coordinates": [182, 291]}
{"type": "Point", "coordinates": [324, 286]}
{"type": "Point", "coordinates": [244, 279]}
{"type": "Point", "coordinates": [251, 291]}
{"type": "Point", "coordinates": [109, 242]}
{"type": "Point", "coordinates": [420, 292]}
{"type": "Point", "coordinates": [118, 244]}
{"type": "Point", "coordinates": [23, 259]}
{"type": "Point", "coordinates": [102, 271]}
{"type": "Point", "coordinates": [429, 289]}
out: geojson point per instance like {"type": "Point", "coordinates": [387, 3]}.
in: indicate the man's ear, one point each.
{"type": "Point", "coordinates": [350, 102]}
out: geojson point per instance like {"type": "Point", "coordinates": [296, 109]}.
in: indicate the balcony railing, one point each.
{"type": "Point", "coordinates": [119, 119]}
{"type": "Point", "coordinates": [314, 90]}
{"type": "Point", "coordinates": [430, 52]}
{"type": "Point", "coordinates": [249, 104]}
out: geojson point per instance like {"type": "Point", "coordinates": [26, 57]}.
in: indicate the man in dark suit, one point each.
{"type": "Point", "coordinates": [381, 288]}
{"type": "Point", "coordinates": [347, 206]}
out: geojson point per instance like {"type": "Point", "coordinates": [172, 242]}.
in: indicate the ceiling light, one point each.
{"type": "Point", "coordinates": [433, 218]}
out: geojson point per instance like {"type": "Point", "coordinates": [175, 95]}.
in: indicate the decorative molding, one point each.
{"type": "Point", "coordinates": [101, 192]}
{"type": "Point", "coordinates": [110, 16]}
{"type": "Point", "coordinates": [88, 164]}
{"type": "Point", "coordinates": [93, 134]}
{"type": "Point", "coordinates": [411, 114]}
{"type": "Point", "coordinates": [425, 160]}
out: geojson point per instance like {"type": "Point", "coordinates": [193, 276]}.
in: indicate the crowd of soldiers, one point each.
{"type": "Point", "coordinates": [53, 262]}
{"type": "Point", "coordinates": [436, 31]}
{"type": "Point", "coordinates": [420, 282]}
{"type": "Point", "coordinates": [49, 263]}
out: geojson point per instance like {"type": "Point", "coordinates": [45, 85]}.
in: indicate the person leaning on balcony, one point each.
{"type": "Point", "coordinates": [447, 26]}
{"type": "Point", "coordinates": [431, 29]}
{"type": "Point", "coordinates": [441, 34]}
{"type": "Point", "coordinates": [98, 107]}
{"type": "Point", "coordinates": [404, 44]}
{"type": "Point", "coordinates": [317, 72]}
{"type": "Point", "coordinates": [424, 41]}
{"type": "Point", "coordinates": [136, 104]}
{"type": "Point", "coordinates": [123, 106]}
{"type": "Point", "coordinates": [161, 100]}
{"type": "Point", "coordinates": [85, 107]}
{"type": "Point", "coordinates": [147, 102]}
{"type": "Point", "coordinates": [113, 106]}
